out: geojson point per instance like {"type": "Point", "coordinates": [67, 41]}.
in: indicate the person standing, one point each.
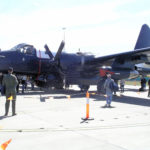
{"type": "Point", "coordinates": [149, 88]}
{"type": "Point", "coordinates": [1, 87]}
{"type": "Point", "coordinates": [10, 82]}
{"type": "Point", "coordinates": [17, 87]}
{"type": "Point", "coordinates": [143, 84]}
{"type": "Point", "coordinates": [122, 83]}
{"type": "Point", "coordinates": [24, 83]}
{"type": "Point", "coordinates": [108, 89]}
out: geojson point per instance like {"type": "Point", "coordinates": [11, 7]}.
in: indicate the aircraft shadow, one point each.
{"type": "Point", "coordinates": [126, 99]}
{"type": "Point", "coordinates": [38, 91]}
{"type": "Point", "coordinates": [97, 97]}
{"type": "Point", "coordinates": [134, 90]}
{"type": "Point", "coordinates": [74, 94]}
{"type": "Point", "coordinates": [132, 100]}
{"type": "Point", "coordinates": [122, 99]}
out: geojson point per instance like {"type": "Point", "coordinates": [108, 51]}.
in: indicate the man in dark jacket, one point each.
{"type": "Point", "coordinates": [10, 82]}
{"type": "Point", "coordinates": [109, 92]}
{"type": "Point", "coordinates": [149, 88]}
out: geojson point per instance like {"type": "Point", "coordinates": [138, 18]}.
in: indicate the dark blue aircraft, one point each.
{"type": "Point", "coordinates": [67, 69]}
{"type": "Point", "coordinates": [143, 41]}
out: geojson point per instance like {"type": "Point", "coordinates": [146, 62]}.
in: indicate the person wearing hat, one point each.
{"type": "Point", "coordinates": [109, 91]}
{"type": "Point", "coordinates": [10, 82]}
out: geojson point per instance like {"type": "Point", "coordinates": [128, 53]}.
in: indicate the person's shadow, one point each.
{"type": "Point", "coordinates": [107, 106]}
{"type": "Point", "coordinates": [4, 117]}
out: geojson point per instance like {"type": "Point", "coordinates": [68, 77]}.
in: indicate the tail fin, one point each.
{"type": "Point", "coordinates": [144, 38]}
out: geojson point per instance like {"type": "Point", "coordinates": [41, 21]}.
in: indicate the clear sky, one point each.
{"type": "Point", "coordinates": [101, 27]}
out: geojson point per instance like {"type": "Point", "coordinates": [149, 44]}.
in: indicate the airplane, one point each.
{"type": "Point", "coordinates": [143, 41]}
{"type": "Point", "coordinates": [49, 70]}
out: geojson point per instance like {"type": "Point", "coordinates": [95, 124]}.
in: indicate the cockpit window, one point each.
{"type": "Point", "coordinates": [24, 48]}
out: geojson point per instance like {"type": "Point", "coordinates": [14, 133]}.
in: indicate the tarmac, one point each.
{"type": "Point", "coordinates": [53, 120]}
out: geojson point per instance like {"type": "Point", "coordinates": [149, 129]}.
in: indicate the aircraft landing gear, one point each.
{"type": "Point", "coordinates": [59, 86]}
{"type": "Point", "coordinates": [84, 88]}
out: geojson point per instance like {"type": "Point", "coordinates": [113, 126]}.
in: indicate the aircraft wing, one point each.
{"type": "Point", "coordinates": [134, 57]}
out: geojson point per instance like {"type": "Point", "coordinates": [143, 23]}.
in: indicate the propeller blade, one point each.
{"type": "Point", "coordinates": [56, 63]}
{"type": "Point", "coordinates": [62, 44]}
{"type": "Point", "coordinates": [48, 51]}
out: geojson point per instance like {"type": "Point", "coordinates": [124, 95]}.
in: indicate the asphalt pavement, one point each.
{"type": "Point", "coordinates": [53, 120]}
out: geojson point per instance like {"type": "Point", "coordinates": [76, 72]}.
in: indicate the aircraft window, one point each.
{"type": "Point", "coordinates": [21, 50]}
{"type": "Point", "coordinates": [14, 48]}
{"type": "Point", "coordinates": [29, 50]}
{"type": "Point", "coordinates": [24, 51]}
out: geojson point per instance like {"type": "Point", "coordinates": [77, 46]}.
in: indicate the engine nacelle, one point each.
{"type": "Point", "coordinates": [120, 73]}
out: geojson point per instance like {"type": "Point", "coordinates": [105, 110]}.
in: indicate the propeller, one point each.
{"type": "Point", "coordinates": [48, 51]}
{"type": "Point", "coordinates": [56, 63]}
{"type": "Point", "coordinates": [57, 56]}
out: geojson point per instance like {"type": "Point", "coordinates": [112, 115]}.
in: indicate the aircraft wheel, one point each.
{"type": "Point", "coordinates": [84, 88]}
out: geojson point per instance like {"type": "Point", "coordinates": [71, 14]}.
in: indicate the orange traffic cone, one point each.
{"type": "Point", "coordinates": [87, 107]}
{"type": "Point", "coordinates": [68, 97]}
{"type": "Point", "coordinates": [4, 145]}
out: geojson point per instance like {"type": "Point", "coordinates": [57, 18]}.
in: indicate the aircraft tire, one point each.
{"type": "Point", "coordinates": [84, 88]}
